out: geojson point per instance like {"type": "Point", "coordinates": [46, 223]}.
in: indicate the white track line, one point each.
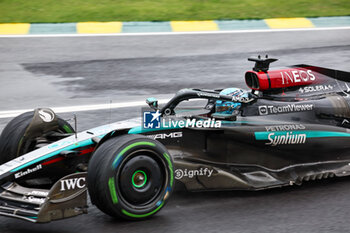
{"type": "Point", "coordinates": [79, 108]}
{"type": "Point", "coordinates": [177, 33]}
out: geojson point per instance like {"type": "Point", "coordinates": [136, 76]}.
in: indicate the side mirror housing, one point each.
{"type": "Point", "coordinates": [152, 103]}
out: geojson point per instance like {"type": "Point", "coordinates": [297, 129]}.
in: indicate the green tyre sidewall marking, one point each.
{"type": "Point", "coordinates": [128, 148]}
{"type": "Point", "coordinates": [113, 192]}
{"type": "Point", "coordinates": [143, 215]}
{"type": "Point", "coordinates": [167, 157]}
{"type": "Point", "coordinates": [67, 129]}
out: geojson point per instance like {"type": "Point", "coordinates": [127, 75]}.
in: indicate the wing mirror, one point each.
{"type": "Point", "coordinates": [152, 103]}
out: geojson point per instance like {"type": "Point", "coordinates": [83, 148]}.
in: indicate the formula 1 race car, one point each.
{"type": "Point", "coordinates": [292, 126]}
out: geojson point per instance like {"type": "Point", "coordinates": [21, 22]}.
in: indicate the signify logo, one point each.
{"type": "Point", "coordinates": [180, 173]}
{"type": "Point", "coordinates": [153, 120]}
{"type": "Point", "coordinates": [270, 109]}
{"type": "Point", "coordinates": [280, 138]}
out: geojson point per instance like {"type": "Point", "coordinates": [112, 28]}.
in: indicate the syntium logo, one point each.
{"type": "Point", "coordinates": [280, 138]}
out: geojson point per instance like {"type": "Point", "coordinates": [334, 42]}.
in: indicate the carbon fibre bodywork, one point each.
{"type": "Point", "coordinates": [279, 136]}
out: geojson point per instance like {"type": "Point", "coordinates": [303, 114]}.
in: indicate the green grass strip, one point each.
{"type": "Point", "coordinates": [112, 190]}
{"type": "Point", "coordinates": [53, 11]}
{"type": "Point", "coordinates": [142, 215]}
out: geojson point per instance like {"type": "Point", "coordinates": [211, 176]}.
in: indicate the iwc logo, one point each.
{"type": "Point", "coordinates": [46, 115]}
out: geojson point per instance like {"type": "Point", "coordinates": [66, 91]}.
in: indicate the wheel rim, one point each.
{"type": "Point", "coordinates": [139, 179]}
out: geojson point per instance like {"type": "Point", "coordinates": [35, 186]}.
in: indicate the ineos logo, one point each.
{"type": "Point", "coordinates": [70, 184]}
{"type": "Point", "coordinates": [295, 76]}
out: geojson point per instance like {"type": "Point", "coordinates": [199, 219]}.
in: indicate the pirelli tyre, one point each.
{"type": "Point", "coordinates": [130, 176]}
{"type": "Point", "coordinates": [16, 140]}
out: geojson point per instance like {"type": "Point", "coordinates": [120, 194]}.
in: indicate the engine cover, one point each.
{"type": "Point", "coordinates": [280, 79]}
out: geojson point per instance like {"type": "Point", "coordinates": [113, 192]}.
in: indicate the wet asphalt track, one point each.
{"type": "Point", "coordinates": [93, 70]}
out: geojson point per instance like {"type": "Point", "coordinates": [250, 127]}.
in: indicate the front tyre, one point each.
{"type": "Point", "coordinates": [14, 140]}
{"type": "Point", "coordinates": [130, 176]}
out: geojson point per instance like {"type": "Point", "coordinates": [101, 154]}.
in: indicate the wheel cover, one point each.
{"type": "Point", "coordinates": [141, 179]}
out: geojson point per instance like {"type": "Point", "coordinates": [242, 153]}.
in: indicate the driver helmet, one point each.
{"type": "Point", "coordinates": [227, 107]}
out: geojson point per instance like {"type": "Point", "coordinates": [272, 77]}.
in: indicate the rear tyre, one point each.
{"type": "Point", "coordinates": [12, 141]}
{"type": "Point", "coordinates": [130, 176]}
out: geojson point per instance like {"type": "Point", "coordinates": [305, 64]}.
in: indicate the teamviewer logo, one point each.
{"type": "Point", "coordinates": [263, 110]}
{"type": "Point", "coordinates": [151, 120]}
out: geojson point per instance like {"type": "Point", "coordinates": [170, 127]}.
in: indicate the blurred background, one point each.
{"type": "Point", "coordinates": [50, 11]}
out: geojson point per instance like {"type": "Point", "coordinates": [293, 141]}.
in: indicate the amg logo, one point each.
{"type": "Point", "coordinates": [286, 138]}
{"type": "Point", "coordinates": [165, 135]}
{"type": "Point", "coordinates": [70, 184]}
{"type": "Point", "coordinates": [28, 171]}
{"type": "Point", "coordinates": [270, 109]}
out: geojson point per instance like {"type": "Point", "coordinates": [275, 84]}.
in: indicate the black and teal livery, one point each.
{"type": "Point", "coordinates": [278, 137]}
